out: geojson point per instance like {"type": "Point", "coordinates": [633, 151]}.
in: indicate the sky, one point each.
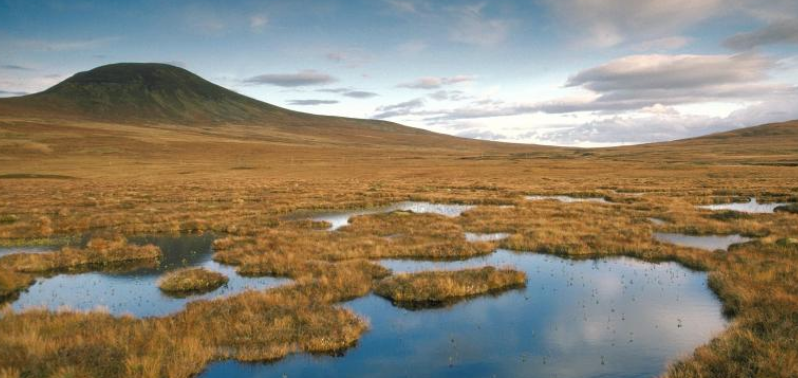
{"type": "Point", "coordinates": [566, 72]}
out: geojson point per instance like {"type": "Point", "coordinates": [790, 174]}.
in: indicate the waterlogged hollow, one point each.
{"type": "Point", "coordinates": [706, 242]}
{"type": "Point", "coordinates": [475, 237]}
{"type": "Point", "coordinates": [136, 291]}
{"type": "Point", "coordinates": [23, 249]}
{"type": "Point", "coordinates": [341, 218]}
{"type": "Point", "coordinates": [568, 199]}
{"type": "Point", "coordinates": [752, 206]}
{"type": "Point", "coordinates": [591, 318]}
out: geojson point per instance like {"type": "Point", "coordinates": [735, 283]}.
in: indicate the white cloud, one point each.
{"type": "Point", "coordinates": [472, 27]}
{"type": "Point", "coordinates": [606, 23]}
{"type": "Point", "coordinates": [665, 43]}
{"type": "Point", "coordinates": [433, 82]}
{"type": "Point", "coordinates": [400, 109]}
{"type": "Point", "coordinates": [403, 6]}
{"type": "Point", "coordinates": [299, 79]}
{"type": "Point", "coordinates": [776, 32]}
{"type": "Point", "coordinates": [349, 92]}
{"type": "Point", "coordinates": [412, 47]}
{"type": "Point", "coordinates": [61, 45]}
{"type": "Point", "coordinates": [257, 22]}
{"type": "Point", "coordinates": [311, 102]}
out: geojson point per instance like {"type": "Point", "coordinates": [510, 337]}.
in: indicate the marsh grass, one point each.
{"type": "Point", "coordinates": [436, 288]}
{"type": "Point", "coordinates": [184, 190]}
{"type": "Point", "coordinates": [189, 281]}
{"type": "Point", "coordinates": [99, 253]}
{"type": "Point", "coordinates": [12, 283]}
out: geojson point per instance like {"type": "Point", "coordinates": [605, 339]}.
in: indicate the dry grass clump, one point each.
{"type": "Point", "coordinates": [192, 280]}
{"type": "Point", "coordinates": [98, 253]}
{"type": "Point", "coordinates": [437, 287]}
{"type": "Point", "coordinates": [12, 283]}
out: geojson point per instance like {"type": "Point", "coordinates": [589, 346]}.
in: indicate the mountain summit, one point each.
{"type": "Point", "coordinates": [149, 92]}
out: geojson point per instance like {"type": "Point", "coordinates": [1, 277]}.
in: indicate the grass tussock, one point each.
{"type": "Point", "coordinates": [98, 253]}
{"type": "Point", "coordinates": [440, 287]}
{"type": "Point", "coordinates": [192, 280]}
{"type": "Point", "coordinates": [12, 283]}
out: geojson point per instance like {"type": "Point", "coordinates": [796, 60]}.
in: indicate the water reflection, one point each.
{"type": "Point", "coordinates": [475, 237]}
{"type": "Point", "coordinates": [568, 199]}
{"type": "Point", "coordinates": [341, 218]}
{"type": "Point", "coordinates": [752, 206]}
{"type": "Point", "coordinates": [707, 242]}
{"type": "Point", "coordinates": [23, 249]}
{"type": "Point", "coordinates": [589, 318]}
{"type": "Point", "coordinates": [136, 291]}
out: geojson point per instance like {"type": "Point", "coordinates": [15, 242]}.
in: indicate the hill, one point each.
{"type": "Point", "coordinates": [161, 95]}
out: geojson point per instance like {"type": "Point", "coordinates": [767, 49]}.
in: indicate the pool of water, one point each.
{"type": "Point", "coordinates": [707, 242]}
{"type": "Point", "coordinates": [340, 219]}
{"type": "Point", "coordinates": [568, 199]}
{"type": "Point", "coordinates": [136, 291]}
{"type": "Point", "coordinates": [752, 206]}
{"type": "Point", "coordinates": [475, 237]}
{"type": "Point", "coordinates": [591, 318]}
{"type": "Point", "coordinates": [657, 221]}
{"type": "Point", "coordinates": [37, 249]}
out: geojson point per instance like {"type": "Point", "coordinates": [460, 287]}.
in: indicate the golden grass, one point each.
{"type": "Point", "coordinates": [12, 283]}
{"type": "Point", "coordinates": [99, 253]}
{"type": "Point", "coordinates": [185, 190]}
{"type": "Point", "coordinates": [439, 287]}
{"type": "Point", "coordinates": [192, 280]}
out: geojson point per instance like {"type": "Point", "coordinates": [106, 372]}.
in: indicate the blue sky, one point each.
{"type": "Point", "coordinates": [569, 72]}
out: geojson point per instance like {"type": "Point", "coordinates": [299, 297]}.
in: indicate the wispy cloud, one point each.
{"type": "Point", "coordinates": [777, 32]}
{"type": "Point", "coordinates": [472, 27]}
{"type": "Point", "coordinates": [311, 102]}
{"type": "Point", "coordinates": [349, 92]}
{"type": "Point", "coordinates": [61, 45]}
{"type": "Point", "coordinates": [348, 57]}
{"type": "Point", "coordinates": [4, 93]}
{"type": "Point", "coordinates": [300, 79]}
{"type": "Point", "coordinates": [609, 23]}
{"type": "Point", "coordinates": [257, 22]}
{"type": "Point", "coordinates": [634, 83]}
{"type": "Point", "coordinates": [434, 82]}
{"type": "Point", "coordinates": [14, 67]}
{"type": "Point", "coordinates": [400, 109]}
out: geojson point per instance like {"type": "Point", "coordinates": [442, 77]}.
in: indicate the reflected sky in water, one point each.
{"type": "Point", "coordinates": [568, 199]}
{"type": "Point", "coordinates": [340, 219]}
{"type": "Point", "coordinates": [706, 242]}
{"type": "Point", "coordinates": [752, 206]}
{"type": "Point", "coordinates": [136, 291]}
{"type": "Point", "coordinates": [592, 318]}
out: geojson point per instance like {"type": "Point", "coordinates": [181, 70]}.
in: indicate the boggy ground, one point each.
{"type": "Point", "coordinates": [250, 197]}
{"type": "Point", "coordinates": [191, 280]}
{"type": "Point", "coordinates": [436, 288]}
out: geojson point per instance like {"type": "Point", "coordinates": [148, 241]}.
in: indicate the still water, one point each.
{"type": "Point", "coordinates": [568, 199]}
{"type": "Point", "coordinates": [706, 242]}
{"type": "Point", "coordinates": [615, 317]}
{"type": "Point", "coordinates": [752, 206]}
{"type": "Point", "coordinates": [136, 291]}
{"type": "Point", "coordinates": [341, 219]}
